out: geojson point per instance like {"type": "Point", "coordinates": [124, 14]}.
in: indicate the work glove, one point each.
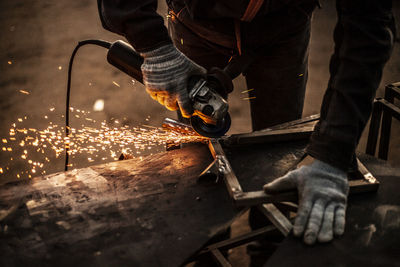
{"type": "Point", "coordinates": [165, 75]}
{"type": "Point", "coordinates": [322, 191]}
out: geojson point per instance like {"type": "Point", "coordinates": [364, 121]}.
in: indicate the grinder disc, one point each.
{"type": "Point", "coordinates": [210, 130]}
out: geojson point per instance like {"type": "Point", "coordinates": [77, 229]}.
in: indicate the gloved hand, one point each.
{"type": "Point", "coordinates": [322, 191]}
{"type": "Point", "coordinates": [165, 75]}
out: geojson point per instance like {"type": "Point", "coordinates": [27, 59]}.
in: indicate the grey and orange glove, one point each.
{"type": "Point", "coordinates": [165, 74]}
{"type": "Point", "coordinates": [322, 191]}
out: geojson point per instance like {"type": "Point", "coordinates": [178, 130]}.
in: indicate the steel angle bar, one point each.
{"type": "Point", "coordinates": [239, 240]}
{"type": "Point", "coordinates": [386, 127]}
{"type": "Point", "coordinates": [211, 172]}
{"type": "Point", "coordinates": [177, 126]}
{"type": "Point", "coordinates": [253, 198]}
{"type": "Point", "coordinates": [277, 218]}
{"type": "Point", "coordinates": [389, 110]}
{"type": "Point", "coordinates": [280, 135]}
{"type": "Point", "coordinates": [219, 258]}
{"type": "Point", "coordinates": [365, 173]}
{"type": "Point", "coordinates": [289, 124]}
{"type": "Point", "coordinates": [392, 92]}
{"type": "Point", "coordinates": [374, 128]}
{"type": "Point", "coordinates": [225, 169]}
{"type": "Point", "coordinates": [364, 182]}
{"type": "Point", "coordinates": [287, 206]}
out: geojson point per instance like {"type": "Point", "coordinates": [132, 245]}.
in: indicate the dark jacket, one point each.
{"type": "Point", "coordinates": [139, 23]}
{"type": "Point", "coordinates": [364, 38]}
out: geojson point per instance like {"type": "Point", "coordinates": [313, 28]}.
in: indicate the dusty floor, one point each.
{"type": "Point", "coordinates": [37, 40]}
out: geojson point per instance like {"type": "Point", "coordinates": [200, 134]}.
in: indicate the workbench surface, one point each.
{"type": "Point", "coordinates": [127, 213]}
{"type": "Point", "coordinates": [155, 212]}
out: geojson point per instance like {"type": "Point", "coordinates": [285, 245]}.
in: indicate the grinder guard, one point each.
{"type": "Point", "coordinates": [211, 130]}
{"type": "Point", "coordinates": [210, 118]}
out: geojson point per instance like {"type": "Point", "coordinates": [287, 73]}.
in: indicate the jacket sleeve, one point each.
{"type": "Point", "coordinates": [364, 37]}
{"type": "Point", "coordinates": [136, 20]}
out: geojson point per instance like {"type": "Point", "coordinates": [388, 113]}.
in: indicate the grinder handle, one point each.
{"type": "Point", "coordinates": [122, 56]}
{"type": "Point", "coordinates": [239, 64]}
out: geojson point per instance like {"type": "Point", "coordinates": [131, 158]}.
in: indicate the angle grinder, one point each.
{"type": "Point", "coordinates": [208, 94]}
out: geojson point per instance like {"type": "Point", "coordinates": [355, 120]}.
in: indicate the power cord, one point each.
{"type": "Point", "coordinates": [101, 43]}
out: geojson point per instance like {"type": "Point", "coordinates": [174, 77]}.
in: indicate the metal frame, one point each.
{"type": "Point", "coordinates": [278, 220]}
{"type": "Point", "coordinates": [221, 168]}
{"type": "Point", "coordinates": [269, 205]}
{"type": "Point", "coordinates": [382, 113]}
{"type": "Point", "coordinates": [216, 248]}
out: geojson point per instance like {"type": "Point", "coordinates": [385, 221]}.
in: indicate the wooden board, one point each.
{"type": "Point", "coordinates": [128, 213]}
{"type": "Point", "coordinates": [153, 212]}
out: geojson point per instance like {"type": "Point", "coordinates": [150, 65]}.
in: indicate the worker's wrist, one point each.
{"type": "Point", "coordinates": [330, 150]}
{"type": "Point", "coordinates": [328, 168]}
{"type": "Point", "coordinates": [321, 165]}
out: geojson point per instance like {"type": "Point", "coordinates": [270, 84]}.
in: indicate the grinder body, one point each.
{"type": "Point", "coordinates": [208, 94]}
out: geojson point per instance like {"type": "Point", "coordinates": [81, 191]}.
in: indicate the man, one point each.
{"type": "Point", "coordinates": [211, 32]}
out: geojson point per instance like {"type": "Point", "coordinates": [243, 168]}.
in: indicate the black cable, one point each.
{"type": "Point", "coordinates": [101, 43]}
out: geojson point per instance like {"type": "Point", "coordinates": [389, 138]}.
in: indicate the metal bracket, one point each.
{"type": "Point", "coordinates": [383, 110]}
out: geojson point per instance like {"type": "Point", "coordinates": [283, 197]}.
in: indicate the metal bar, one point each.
{"type": "Point", "coordinates": [287, 206]}
{"type": "Point", "coordinates": [366, 183]}
{"type": "Point", "coordinates": [365, 174]}
{"type": "Point", "coordinates": [311, 118]}
{"type": "Point", "coordinates": [179, 127]}
{"type": "Point", "coordinates": [211, 172]}
{"type": "Point", "coordinates": [269, 136]}
{"type": "Point", "coordinates": [258, 197]}
{"type": "Point", "coordinates": [276, 218]}
{"type": "Point", "coordinates": [362, 186]}
{"type": "Point", "coordinates": [392, 91]}
{"type": "Point", "coordinates": [239, 240]}
{"type": "Point", "coordinates": [389, 110]}
{"type": "Point", "coordinates": [219, 258]}
{"type": "Point", "coordinates": [225, 168]}
{"type": "Point", "coordinates": [374, 128]}
{"type": "Point", "coordinates": [385, 135]}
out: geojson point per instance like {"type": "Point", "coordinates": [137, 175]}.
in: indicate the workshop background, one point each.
{"type": "Point", "coordinates": [37, 39]}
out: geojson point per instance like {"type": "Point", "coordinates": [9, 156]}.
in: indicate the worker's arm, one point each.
{"type": "Point", "coordinates": [364, 37]}
{"type": "Point", "coordinates": [165, 69]}
{"type": "Point", "coordinates": [136, 20]}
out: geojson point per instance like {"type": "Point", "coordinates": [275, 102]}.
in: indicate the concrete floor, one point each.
{"type": "Point", "coordinates": [37, 40]}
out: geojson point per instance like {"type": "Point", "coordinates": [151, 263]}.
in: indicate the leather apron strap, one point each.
{"type": "Point", "coordinates": [251, 11]}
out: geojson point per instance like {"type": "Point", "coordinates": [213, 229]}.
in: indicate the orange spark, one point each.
{"type": "Point", "coordinates": [24, 92]}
